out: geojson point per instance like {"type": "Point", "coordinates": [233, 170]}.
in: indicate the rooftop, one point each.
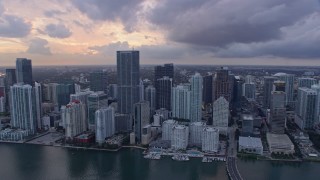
{"type": "Point", "coordinates": [250, 142]}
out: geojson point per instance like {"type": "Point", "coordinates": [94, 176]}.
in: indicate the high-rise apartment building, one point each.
{"type": "Point", "coordinates": [196, 82]}
{"type": "Point", "coordinates": [96, 101]}
{"type": "Point", "coordinates": [105, 124]}
{"type": "Point", "coordinates": [306, 108]}
{"type": "Point", "coordinates": [278, 112]}
{"type": "Point", "coordinates": [128, 75]}
{"type": "Point", "coordinates": [38, 103]}
{"type": "Point", "coordinates": [316, 88]}
{"type": "Point", "coordinates": [223, 85]}
{"type": "Point", "coordinates": [207, 89]}
{"type": "Point", "coordinates": [141, 117]}
{"type": "Point", "coordinates": [98, 81]}
{"type": "Point", "coordinates": [249, 90]}
{"type": "Point", "coordinates": [196, 129]}
{"type": "Point", "coordinates": [210, 139]}
{"type": "Point", "coordinates": [220, 114]}
{"type": "Point", "coordinates": [306, 82]}
{"type": "Point", "coordinates": [181, 101]}
{"type": "Point", "coordinates": [163, 93]}
{"type": "Point", "coordinates": [11, 79]}
{"type": "Point", "coordinates": [267, 89]}
{"type": "Point", "coordinates": [289, 88]}
{"type": "Point", "coordinates": [150, 96]}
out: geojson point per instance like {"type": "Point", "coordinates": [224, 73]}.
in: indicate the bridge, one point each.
{"type": "Point", "coordinates": [232, 169]}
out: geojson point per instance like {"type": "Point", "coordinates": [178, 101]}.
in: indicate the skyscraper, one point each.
{"type": "Point", "coordinates": [74, 118]}
{"type": "Point", "coordinates": [249, 90]}
{"type": "Point", "coordinates": [196, 82]}
{"type": "Point", "coordinates": [38, 103]}
{"type": "Point", "coordinates": [11, 79]}
{"type": "Point", "coordinates": [23, 110]}
{"type": "Point", "coordinates": [96, 101]}
{"type": "Point", "coordinates": [181, 101]}
{"type": "Point", "coordinates": [306, 82]}
{"type": "Point", "coordinates": [305, 108]}
{"type": "Point", "coordinates": [316, 88]}
{"type": "Point", "coordinates": [128, 75]}
{"type": "Point", "coordinates": [220, 114]}
{"type": "Point", "coordinates": [24, 71]}
{"type": "Point", "coordinates": [289, 89]}
{"type": "Point", "coordinates": [113, 91]}
{"type": "Point", "coordinates": [223, 85]}
{"type": "Point", "coordinates": [98, 81]}
{"type": "Point", "coordinates": [150, 96]}
{"type": "Point", "coordinates": [161, 71]}
{"type": "Point", "coordinates": [163, 93]}
{"type": "Point", "coordinates": [279, 86]}
{"type": "Point", "coordinates": [207, 89]}
{"type": "Point", "coordinates": [105, 124]}
{"type": "Point", "coordinates": [267, 88]}
{"type": "Point", "coordinates": [278, 112]}
{"type": "Point", "coordinates": [210, 139]}
{"type": "Point", "coordinates": [141, 118]}
{"type": "Point", "coordinates": [237, 91]}
{"type": "Point", "coordinates": [63, 92]}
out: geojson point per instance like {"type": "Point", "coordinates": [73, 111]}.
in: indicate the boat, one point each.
{"type": "Point", "coordinates": [154, 156]}
{"type": "Point", "coordinates": [180, 157]}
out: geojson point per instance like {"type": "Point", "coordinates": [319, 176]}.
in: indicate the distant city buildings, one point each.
{"type": "Point", "coordinates": [98, 81]}
{"type": "Point", "coordinates": [24, 71]}
{"type": "Point", "coordinates": [306, 82]}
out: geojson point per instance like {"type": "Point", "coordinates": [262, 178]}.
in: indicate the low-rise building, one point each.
{"type": "Point", "coordinates": [250, 145]}
{"type": "Point", "coordinates": [280, 143]}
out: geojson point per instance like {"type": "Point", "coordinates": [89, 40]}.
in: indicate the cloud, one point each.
{"type": "Point", "coordinates": [232, 27]}
{"type": "Point", "coordinates": [39, 46]}
{"type": "Point", "coordinates": [57, 31]}
{"type": "Point", "coordinates": [111, 10]}
{"type": "Point", "coordinates": [13, 26]}
{"type": "Point", "coordinates": [52, 13]}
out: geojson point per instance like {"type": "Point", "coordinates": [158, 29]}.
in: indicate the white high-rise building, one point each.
{"type": "Point", "coordinates": [150, 95]}
{"type": "Point", "coordinates": [305, 108]}
{"type": "Point", "coordinates": [23, 111]}
{"type": "Point", "coordinates": [196, 82]}
{"type": "Point", "coordinates": [38, 102]}
{"type": "Point", "coordinates": [220, 114]}
{"type": "Point", "coordinates": [81, 96]}
{"type": "Point", "coordinates": [210, 139]}
{"type": "Point", "coordinates": [196, 129]}
{"type": "Point", "coordinates": [316, 88]}
{"type": "Point", "coordinates": [181, 100]}
{"type": "Point", "coordinates": [167, 129]}
{"type": "Point", "coordinates": [180, 137]}
{"type": "Point", "coordinates": [105, 124]}
{"type": "Point", "coordinates": [74, 118]}
{"type": "Point", "coordinates": [249, 90]}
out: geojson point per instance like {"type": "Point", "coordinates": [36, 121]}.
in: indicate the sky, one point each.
{"type": "Point", "coordinates": [218, 32]}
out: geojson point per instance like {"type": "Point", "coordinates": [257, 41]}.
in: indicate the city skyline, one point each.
{"type": "Point", "coordinates": [88, 33]}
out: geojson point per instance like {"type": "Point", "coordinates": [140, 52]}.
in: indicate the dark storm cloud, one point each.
{"type": "Point", "coordinates": [13, 26]}
{"type": "Point", "coordinates": [57, 31]}
{"type": "Point", "coordinates": [39, 46]}
{"type": "Point", "coordinates": [111, 10]}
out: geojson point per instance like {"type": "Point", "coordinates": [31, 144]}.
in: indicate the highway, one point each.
{"type": "Point", "coordinates": [231, 164]}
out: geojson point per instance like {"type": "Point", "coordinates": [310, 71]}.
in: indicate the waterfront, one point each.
{"type": "Point", "coordinates": [23, 161]}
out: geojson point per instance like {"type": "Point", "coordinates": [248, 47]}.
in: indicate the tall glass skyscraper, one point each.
{"type": "Point", "coordinates": [24, 71]}
{"type": "Point", "coordinates": [128, 75]}
{"type": "Point", "coordinates": [98, 81]}
{"type": "Point", "coordinates": [11, 79]}
{"type": "Point", "coordinates": [196, 82]}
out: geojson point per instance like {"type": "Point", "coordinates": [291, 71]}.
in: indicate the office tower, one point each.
{"type": "Point", "coordinates": [123, 123]}
{"type": "Point", "coordinates": [207, 89]}
{"type": "Point", "coordinates": [128, 75]}
{"type": "Point", "coordinates": [150, 96]}
{"type": "Point", "coordinates": [249, 90]}
{"type": "Point", "coordinates": [141, 118]}
{"type": "Point", "coordinates": [237, 91]}
{"type": "Point", "coordinates": [161, 71]}
{"type": "Point", "coordinates": [77, 88]}
{"type": "Point", "coordinates": [180, 137]}
{"type": "Point", "coordinates": [24, 71]}
{"type": "Point", "coordinates": [210, 139]}
{"type": "Point", "coordinates": [23, 111]}
{"type": "Point", "coordinates": [247, 125]}
{"type": "Point", "coordinates": [113, 91]}
{"type": "Point", "coordinates": [267, 89]}
{"type": "Point", "coordinates": [196, 129]}
{"type": "Point", "coordinates": [181, 101]}
{"type": "Point", "coordinates": [63, 92]}
{"type": "Point", "coordinates": [2, 104]}
{"type": "Point", "coordinates": [196, 82]}
{"type": "Point", "coordinates": [105, 124]}
{"type": "Point", "coordinates": [38, 103]}
{"type": "Point", "coordinates": [223, 85]}
{"type": "Point", "coordinates": [279, 86]}
{"type": "Point", "coordinates": [306, 82]}
{"type": "Point", "coordinates": [50, 92]}
{"type": "Point", "coordinates": [98, 81]}
{"type": "Point", "coordinates": [249, 79]}
{"type": "Point", "coordinates": [305, 108]}
{"type": "Point", "coordinates": [163, 93]}
{"type": "Point", "coordinates": [167, 129]}
{"type": "Point", "coordinates": [96, 101]}
{"type": "Point", "coordinates": [316, 88]}
{"type": "Point", "coordinates": [74, 118]}
{"type": "Point", "coordinates": [289, 89]}
{"type": "Point", "coordinates": [220, 114]}
{"type": "Point", "coordinates": [141, 91]}
{"type": "Point", "coordinates": [11, 79]}
{"type": "Point", "coordinates": [278, 112]}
